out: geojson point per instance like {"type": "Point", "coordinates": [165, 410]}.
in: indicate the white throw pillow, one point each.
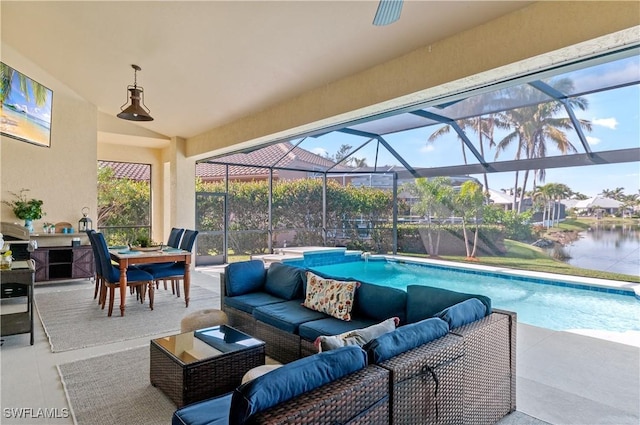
{"type": "Point", "coordinates": [357, 337]}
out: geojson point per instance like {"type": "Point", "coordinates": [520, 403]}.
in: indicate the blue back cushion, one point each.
{"type": "Point", "coordinates": [284, 281]}
{"type": "Point", "coordinates": [292, 380]}
{"type": "Point", "coordinates": [426, 301]}
{"type": "Point", "coordinates": [213, 411]}
{"type": "Point", "coordinates": [287, 315]}
{"type": "Point", "coordinates": [462, 313]}
{"type": "Point", "coordinates": [405, 338]}
{"type": "Point", "coordinates": [380, 302]}
{"type": "Point", "coordinates": [244, 277]}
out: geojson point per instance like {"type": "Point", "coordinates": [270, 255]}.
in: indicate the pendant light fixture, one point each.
{"type": "Point", "coordinates": [137, 111]}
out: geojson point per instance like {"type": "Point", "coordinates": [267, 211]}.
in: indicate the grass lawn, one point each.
{"type": "Point", "coordinates": [526, 257]}
{"type": "Point", "coordinates": [575, 224]}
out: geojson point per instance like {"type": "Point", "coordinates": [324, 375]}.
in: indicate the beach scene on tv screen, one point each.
{"type": "Point", "coordinates": [26, 108]}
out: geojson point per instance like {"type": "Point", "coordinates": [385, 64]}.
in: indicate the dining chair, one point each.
{"type": "Point", "coordinates": [111, 276]}
{"type": "Point", "coordinates": [175, 272]}
{"type": "Point", "coordinates": [99, 276]}
{"type": "Point", "coordinates": [98, 265]}
{"type": "Point", "coordinates": [175, 236]}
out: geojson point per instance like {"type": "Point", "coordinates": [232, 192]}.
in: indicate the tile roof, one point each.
{"type": "Point", "coordinates": [131, 170]}
{"type": "Point", "coordinates": [280, 154]}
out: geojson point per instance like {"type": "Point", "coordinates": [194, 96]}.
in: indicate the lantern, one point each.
{"type": "Point", "coordinates": [85, 224]}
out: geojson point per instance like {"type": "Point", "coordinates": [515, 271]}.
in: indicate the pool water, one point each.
{"type": "Point", "coordinates": [549, 306]}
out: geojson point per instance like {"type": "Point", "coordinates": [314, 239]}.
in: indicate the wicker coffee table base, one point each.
{"type": "Point", "coordinates": [186, 384]}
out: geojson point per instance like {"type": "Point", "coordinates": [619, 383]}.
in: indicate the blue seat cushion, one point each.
{"type": "Point", "coordinates": [426, 301]}
{"type": "Point", "coordinates": [250, 301]}
{"type": "Point", "coordinates": [284, 281]}
{"type": "Point", "coordinates": [244, 277]}
{"type": "Point", "coordinates": [214, 411]}
{"type": "Point", "coordinates": [292, 380]}
{"type": "Point", "coordinates": [161, 270]}
{"type": "Point", "coordinates": [148, 267]}
{"type": "Point", "coordinates": [405, 338]}
{"type": "Point", "coordinates": [287, 315]}
{"type": "Point", "coordinates": [462, 313]}
{"type": "Point", "coordinates": [331, 326]}
{"type": "Point", "coordinates": [134, 274]}
{"type": "Point", "coordinates": [380, 302]}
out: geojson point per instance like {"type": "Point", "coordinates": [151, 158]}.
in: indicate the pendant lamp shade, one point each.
{"type": "Point", "coordinates": [136, 111]}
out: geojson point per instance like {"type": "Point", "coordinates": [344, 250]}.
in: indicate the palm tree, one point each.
{"type": "Point", "coordinates": [446, 130]}
{"type": "Point", "coordinates": [579, 196]}
{"type": "Point", "coordinates": [617, 193]}
{"type": "Point", "coordinates": [560, 191]}
{"type": "Point", "coordinates": [534, 126]}
{"type": "Point", "coordinates": [542, 195]}
{"type": "Point", "coordinates": [483, 127]}
{"type": "Point", "coordinates": [468, 204]}
{"type": "Point", "coordinates": [434, 202]}
{"type": "Point", "coordinates": [359, 162]}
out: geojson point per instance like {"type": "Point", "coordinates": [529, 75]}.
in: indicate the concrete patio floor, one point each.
{"type": "Point", "coordinates": [562, 378]}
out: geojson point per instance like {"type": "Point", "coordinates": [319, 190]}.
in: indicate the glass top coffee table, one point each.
{"type": "Point", "coordinates": [197, 365]}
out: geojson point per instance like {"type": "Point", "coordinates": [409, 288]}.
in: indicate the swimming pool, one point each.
{"type": "Point", "coordinates": [549, 306]}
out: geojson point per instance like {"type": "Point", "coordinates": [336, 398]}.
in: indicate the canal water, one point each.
{"type": "Point", "coordinates": [611, 248]}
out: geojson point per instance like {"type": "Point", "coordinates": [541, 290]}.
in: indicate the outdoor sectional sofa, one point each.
{"type": "Point", "coordinates": [464, 374]}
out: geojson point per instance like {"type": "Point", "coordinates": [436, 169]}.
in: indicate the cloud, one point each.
{"type": "Point", "coordinates": [593, 140]}
{"type": "Point", "coordinates": [427, 148]}
{"type": "Point", "coordinates": [610, 123]}
{"type": "Point", "coordinates": [319, 151]}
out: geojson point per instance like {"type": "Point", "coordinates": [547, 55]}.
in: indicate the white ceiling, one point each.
{"type": "Point", "coordinates": [206, 63]}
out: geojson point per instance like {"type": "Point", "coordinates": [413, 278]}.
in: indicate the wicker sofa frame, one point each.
{"type": "Point", "coordinates": [361, 398]}
{"type": "Point", "coordinates": [468, 376]}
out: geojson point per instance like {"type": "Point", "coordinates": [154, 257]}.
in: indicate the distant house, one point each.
{"type": "Point", "coordinates": [597, 206]}
{"type": "Point", "coordinates": [505, 200]}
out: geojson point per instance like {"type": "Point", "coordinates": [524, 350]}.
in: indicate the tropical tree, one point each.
{"type": "Point", "coordinates": [468, 203]}
{"type": "Point", "coordinates": [630, 202]}
{"type": "Point", "coordinates": [617, 193]}
{"type": "Point", "coordinates": [435, 203]}
{"type": "Point", "coordinates": [541, 196]}
{"type": "Point", "coordinates": [579, 196]}
{"type": "Point", "coordinates": [484, 127]}
{"type": "Point", "coordinates": [359, 162]}
{"type": "Point", "coordinates": [123, 207]}
{"type": "Point", "coordinates": [551, 194]}
{"type": "Point", "coordinates": [533, 127]}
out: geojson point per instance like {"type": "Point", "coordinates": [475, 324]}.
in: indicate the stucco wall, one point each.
{"type": "Point", "coordinates": [64, 175]}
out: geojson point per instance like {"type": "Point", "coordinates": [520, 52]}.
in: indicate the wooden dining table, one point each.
{"type": "Point", "coordinates": [126, 258]}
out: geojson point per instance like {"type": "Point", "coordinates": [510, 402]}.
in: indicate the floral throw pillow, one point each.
{"type": "Point", "coordinates": [330, 296]}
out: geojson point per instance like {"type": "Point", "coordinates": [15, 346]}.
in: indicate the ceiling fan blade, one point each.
{"type": "Point", "coordinates": [388, 12]}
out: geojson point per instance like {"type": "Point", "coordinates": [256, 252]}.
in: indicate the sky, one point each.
{"type": "Point", "coordinates": [615, 119]}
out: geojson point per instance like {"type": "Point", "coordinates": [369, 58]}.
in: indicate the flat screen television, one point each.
{"type": "Point", "coordinates": [25, 107]}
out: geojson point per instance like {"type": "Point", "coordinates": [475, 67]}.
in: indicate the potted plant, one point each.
{"type": "Point", "coordinates": [25, 209]}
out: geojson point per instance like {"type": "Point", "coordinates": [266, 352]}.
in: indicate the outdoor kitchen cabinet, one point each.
{"type": "Point", "coordinates": [63, 262]}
